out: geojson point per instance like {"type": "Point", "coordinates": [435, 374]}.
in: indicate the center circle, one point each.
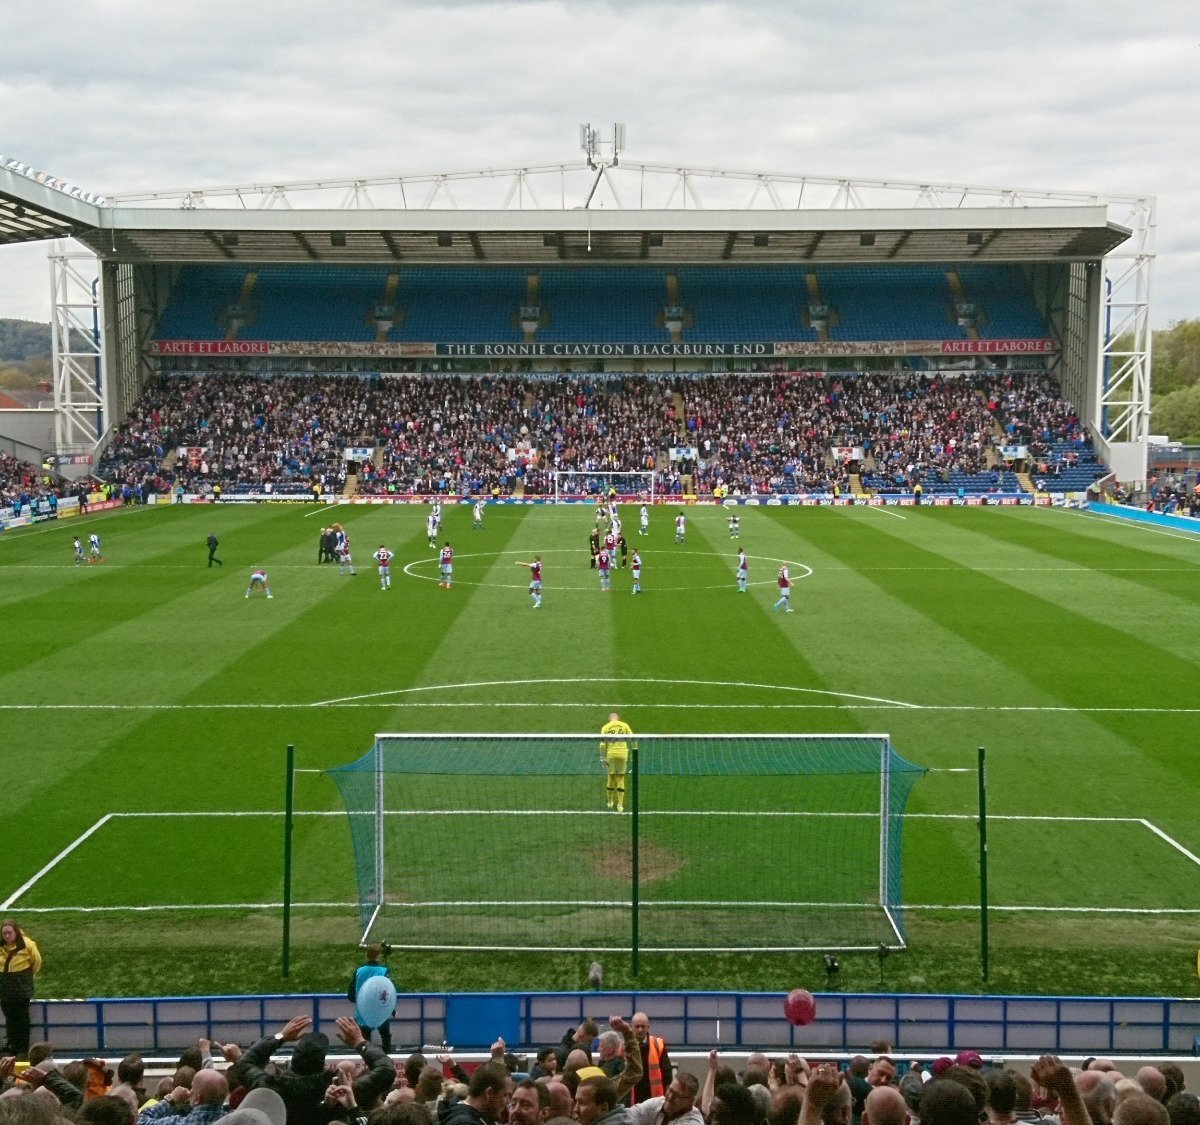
{"type": "Point", "coordinates": [409, 571]}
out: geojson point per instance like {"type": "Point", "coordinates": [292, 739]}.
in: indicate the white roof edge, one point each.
{"type": "Point", "coordinates": [963, 218]}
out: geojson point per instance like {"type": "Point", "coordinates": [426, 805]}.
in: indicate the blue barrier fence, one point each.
{"type": "Point", "coordinates": [1140, 515]}
{"type": "Point", "coordinates": [697, 1020]}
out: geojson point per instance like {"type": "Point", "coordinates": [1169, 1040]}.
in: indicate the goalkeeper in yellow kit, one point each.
{"type": "Point", "coordinates": [614, 753]}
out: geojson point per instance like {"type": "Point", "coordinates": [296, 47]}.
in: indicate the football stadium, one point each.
{"type": "Point", "coordinates": [691, 583]}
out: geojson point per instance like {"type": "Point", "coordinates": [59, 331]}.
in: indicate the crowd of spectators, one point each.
{"type": "Point", "coordinates": [499, 435]}
{"type": "Point", "coordinates": [1174, 493]}
{"type": "Point", "coordinates": [580, 1081]}
{"type": "Point", "coordinates": [495, 436]}
{"type": "Point", "coordinates": [22, 483]}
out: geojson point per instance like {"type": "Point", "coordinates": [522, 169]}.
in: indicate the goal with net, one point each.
{"type": "Point", "coordinates": [727, 842]}
{"type": "Point", "coordinates": [571, 485]}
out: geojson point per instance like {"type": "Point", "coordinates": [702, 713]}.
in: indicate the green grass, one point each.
{"type": "Point", "coordinates": [1064, 643]}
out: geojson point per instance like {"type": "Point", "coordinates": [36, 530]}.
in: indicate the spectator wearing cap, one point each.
{"type": "Point", "coordinates": [303, 1087]}
{"type": "Point", "coordinates": [973, 1059]}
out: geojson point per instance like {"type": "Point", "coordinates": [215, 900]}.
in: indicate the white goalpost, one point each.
{"type": "Point", "coordinates": [576, 485]}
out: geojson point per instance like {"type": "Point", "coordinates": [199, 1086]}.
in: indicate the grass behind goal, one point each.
{"type": "Point", "coordinates": [507, 842]}
{"type": "Point", "coordinates": [1064, 643]}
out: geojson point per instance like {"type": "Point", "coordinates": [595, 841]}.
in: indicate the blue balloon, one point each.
{"type": "Point", "coordinates": [376, 1002]}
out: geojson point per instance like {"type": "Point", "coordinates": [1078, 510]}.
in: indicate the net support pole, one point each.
{"type": "Point", "coordinates": [983, 865]}
{"type": "Point", "coordinates": [288, 802]}
{"type": "Point", "coordinates": [634, 868]}
{"type": "Point", "coordinates": [379, 835]}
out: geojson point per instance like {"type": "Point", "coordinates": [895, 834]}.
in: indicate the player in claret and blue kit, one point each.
{"type": "Point", "coordinates": [603, 563]}
{"type": "Point", "coordinates": [446, 566]}
{"type": "Point", "coordinates": [258, 582]}
{"type": "Point", "coordinates": [535, 579]}
{"type": "Point", "coordinates": [785, 590]}
{"type": "Point", "coordinates": [384, 557]}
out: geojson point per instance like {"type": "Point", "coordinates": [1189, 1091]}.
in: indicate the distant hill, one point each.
{"type": "Point", "coordinates": [22, 339]}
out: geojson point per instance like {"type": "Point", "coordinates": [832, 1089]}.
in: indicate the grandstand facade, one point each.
{"type": "Point", "coordinates": [503, 273]}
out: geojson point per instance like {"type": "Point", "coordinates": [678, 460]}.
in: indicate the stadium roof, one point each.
{"type": "Point", "coordinates": [851, 222]}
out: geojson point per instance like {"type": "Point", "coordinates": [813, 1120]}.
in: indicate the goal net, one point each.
{"type": "Point", "coordinates": [727, 842]}
{"type": "Point", "coordinates": [630, 487]}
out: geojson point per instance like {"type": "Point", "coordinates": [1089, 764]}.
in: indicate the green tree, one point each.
{"type": "Point", "coordinates": [1178, 414]}
{"type": "Point", "coordinates": [20, 339]}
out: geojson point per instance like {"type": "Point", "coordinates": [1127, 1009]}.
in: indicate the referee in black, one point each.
{"type": "Point", "coordinates": [212, 550]}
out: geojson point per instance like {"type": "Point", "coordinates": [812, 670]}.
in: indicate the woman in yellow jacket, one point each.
{"type": "Point", "coordinates": [19, 961]}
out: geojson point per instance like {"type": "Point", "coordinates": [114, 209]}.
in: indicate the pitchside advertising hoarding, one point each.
{"type": "Point", "coordinates": [1042, 500]}
{"type": "Point", "coordinates": [583, 350]}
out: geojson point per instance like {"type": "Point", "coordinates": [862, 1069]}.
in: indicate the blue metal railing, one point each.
{"type": "Point", "coordinates": [687, 1020]}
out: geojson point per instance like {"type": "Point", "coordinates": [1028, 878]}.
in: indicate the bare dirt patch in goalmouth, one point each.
{"type": "Point", "coordinates": [615, 861]}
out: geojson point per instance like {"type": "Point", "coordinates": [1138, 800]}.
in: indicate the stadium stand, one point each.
{"type": "Point", "coordinates": [22, 482]}
{"type": "Point", "coordinates": [618, 304]}
{"type": "Point", "coordinates": [753, 434]}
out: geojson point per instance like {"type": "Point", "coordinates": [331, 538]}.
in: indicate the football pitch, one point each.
{"type": "Point", "coordinates": [147, 705]}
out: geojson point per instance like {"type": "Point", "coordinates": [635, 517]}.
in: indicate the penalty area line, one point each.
{"type": "Point", "coordinates": [1172, 841]}
{"type": "Point", "coordinates": [28, 884]}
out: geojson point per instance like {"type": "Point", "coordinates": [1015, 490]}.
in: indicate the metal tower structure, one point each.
{"type": "Point", "coordinates": [79, 368]}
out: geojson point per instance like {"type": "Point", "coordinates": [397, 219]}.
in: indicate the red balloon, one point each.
{"type": "Point", "coordinates": [800, 1007]}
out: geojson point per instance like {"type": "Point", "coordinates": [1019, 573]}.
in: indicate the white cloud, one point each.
{"type": "Point", "coordinates": [1094, 96]}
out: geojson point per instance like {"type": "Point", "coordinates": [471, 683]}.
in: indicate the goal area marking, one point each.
{"type": "Point", "coordinates": [12, 899]}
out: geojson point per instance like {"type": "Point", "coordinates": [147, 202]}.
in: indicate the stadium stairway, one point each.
{"type": "Point", "coordinates": [813, 284]}
{"type": "Point", "coordinates": [1026, 482]}
{"type": "Point", "coordinates": [960, 297]}
{"type": "Point", "coordinates": [351, 485]}
{"type": "Point", "coordinates": [168, 462]}
{"type": "Point", "coordinates": [680, 414]}
{"type": "Point", "coordinates": [856, 486]}
{"type": "Point", "coordinates": [244, 298]}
